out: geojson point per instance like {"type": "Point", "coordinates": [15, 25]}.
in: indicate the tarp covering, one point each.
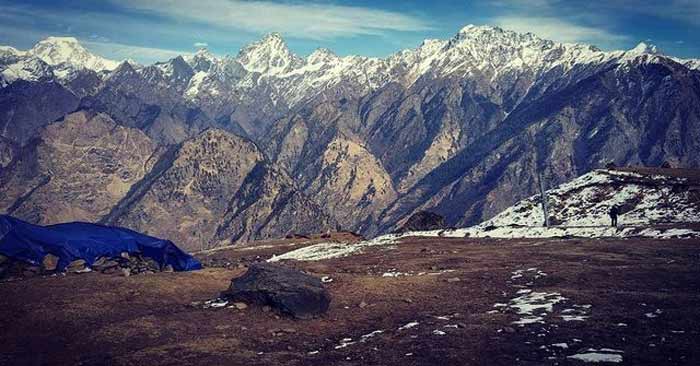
{"type": "Point", "coordinates": [23, 241]}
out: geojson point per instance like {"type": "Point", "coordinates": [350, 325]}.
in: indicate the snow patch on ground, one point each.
{"type": "Point", "coordinates": [534, 306]}
{"type": "Point", "coordinates": [409, 325]}
{"type": "Point", "coordinates": [596, 356]}
{"type": "Point", "coordinates": [332, 250]}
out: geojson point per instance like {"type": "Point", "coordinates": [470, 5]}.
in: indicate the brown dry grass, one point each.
{"type": "Point", "coordinates": [96, 319]}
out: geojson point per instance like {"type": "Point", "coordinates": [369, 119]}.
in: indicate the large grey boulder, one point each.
{"type": "Point", "coordinates": [423, 221]}
{"type": "Point", "coordinates": [289, 291]}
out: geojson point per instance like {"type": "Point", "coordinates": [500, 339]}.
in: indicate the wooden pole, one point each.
{"type": "Point", "coordinates": [543, 195]}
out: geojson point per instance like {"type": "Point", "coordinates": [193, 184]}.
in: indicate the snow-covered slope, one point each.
{"type": "Point", "coordinates": [68, 51]}
{"type": "Point", "coordinates": [30, 69]}
{"type": "Point", "coordinates": [650, 205]}
{"type": "Point", "coordinates": [585, 201]}
{"type": "Point", "coordinates": [62, 58]}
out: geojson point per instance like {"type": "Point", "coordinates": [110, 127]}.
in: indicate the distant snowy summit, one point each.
{"type": "Point", "coordinates": [487, 50]}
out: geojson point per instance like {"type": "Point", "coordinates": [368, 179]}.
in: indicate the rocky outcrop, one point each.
{"type": "Point", "coordinates": [267, 205]}
{"type": "Point", "coordinates": [76, 169]}
{"type": "Point", "coordinates": [352, 184]}
{"type": "Point", "coordinates": [216, 188]}
{"type": "Point", "coordinates": [423, 221]}
{"type": "Point", "coordinates": [143, 99]}
{"type": "Point", "coordinates": [26, 107]}
{"type": "Point", "coordinates": [286, 290]}
{"type": "Point", "coordinates": [7, 152]}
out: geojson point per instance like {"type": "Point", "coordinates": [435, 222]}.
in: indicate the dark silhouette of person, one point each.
{"type": "Point", "coordinates": [614, 211]}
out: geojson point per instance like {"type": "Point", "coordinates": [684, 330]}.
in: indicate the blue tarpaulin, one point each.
{"type": "Point", "coordinates": [23, 241]}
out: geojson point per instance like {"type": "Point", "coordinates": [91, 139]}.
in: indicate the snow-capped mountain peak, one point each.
{"type": "Point", "coordinates": [644, 49]}
{"type": "Point", "coordinates": [269, 56]}
{"type": "Point", "coordinates": [30, 69]}
{"type": "Point", "coordinates": [321, 55]}
{"type": "Point", "coordinates": [68, 51]}
{"type": "Point", "coordinates": [202, 60]}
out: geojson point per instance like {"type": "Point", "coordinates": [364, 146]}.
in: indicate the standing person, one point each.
{"type": "Point", "coordinates": [614, 211]}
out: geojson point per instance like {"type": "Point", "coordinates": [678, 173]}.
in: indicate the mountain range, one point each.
{"type": "Point", "coordinates": [208, 150]}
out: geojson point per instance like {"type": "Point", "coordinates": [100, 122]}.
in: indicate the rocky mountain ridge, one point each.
{"type": "Point", "coordinates": [460, 126]}
{"type": "Point", "coordinates": [211, 189]}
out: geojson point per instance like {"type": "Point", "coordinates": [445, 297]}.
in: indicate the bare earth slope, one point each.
{"type": "Point", "coordinates": [431, 301]}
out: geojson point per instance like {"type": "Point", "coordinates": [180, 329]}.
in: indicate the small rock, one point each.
{"type": "Point", "coordinates": [168, 268]}
{"type": "Point", "coordinates": [266, 309]}
{"type": "Point", "coordinates": [102, 264]}
{"type": "Point", "coordinates": [84, 270]}
{"type": "Point", "coordinates": [126, 272]}
{"type": "Point", "coordinates": [509, 330]}
{"type": "Point", "coordinates": [49, 263]}
{"type": "Point", "coordinates": [408, 301]}
{"type": "Point", "coordinates": [240, 305]}
{"type": "Point", "coordinates": [363, 305]}
{"type": "Point", "coordinates": [289, 330]}
{"type": "Point", "coordinates": [76, 266]}
{"type": "Point", "coordinates": [453, 279]}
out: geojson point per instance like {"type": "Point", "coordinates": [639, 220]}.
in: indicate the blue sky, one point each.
{"type": "Point", "coordinates": [149, 30]}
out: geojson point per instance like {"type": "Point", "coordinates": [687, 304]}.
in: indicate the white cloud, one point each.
{"type": "Point", "coordinates": [560, 30]}
{"type": "Point", "coordinates": [117, 51]}
{"type": "Point", "coordinates": [299, 20]}
{"type": "Point", "coordinates": [201, 44]}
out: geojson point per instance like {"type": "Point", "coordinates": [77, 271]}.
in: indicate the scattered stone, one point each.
{"type": "Point", "coordinates": [84, 270]}
{"type": "Point", "coordinates": [240, 305]}
{"type": "Point", "coordinates": [509, 330]}
{"type": "Point", "coordinates": [408, 301]}
{"type": "Point", "coordinates": [50, 263]}
{"type": "Point", "coordinates": [363, 305]}
{"type": "Point", "coordinates": [453, 279]}
{"type": "Point", "coordinates": [104, 264]}
{"type": "Point", "coordinates": [126, 272]}
{"type": "Point", "coordinates": [168, 268]}
{"type": "Point", "coordinates": [287, 290]}
{"type": "Point", "coordinates": [76, 266]}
